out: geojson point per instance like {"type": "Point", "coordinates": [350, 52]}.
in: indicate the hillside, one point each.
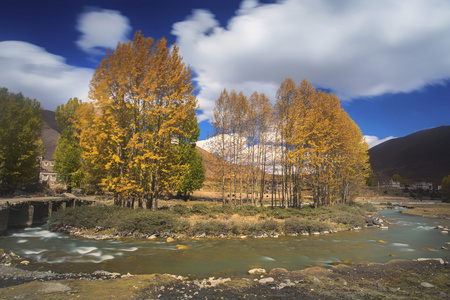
{"type": "Point", "coordinates": [49, 134]}
{"type": "Point", "coordinates": [423, 155]}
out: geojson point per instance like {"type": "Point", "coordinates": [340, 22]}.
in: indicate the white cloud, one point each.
{"type": "Point", "coordinates": [372, 140]}
{"type": "Point", "coordinates": [102, 29]}
{"type": "Point", "coordinates": [40, 75]}
{"type": "Point", "coordinates": [356, 48]}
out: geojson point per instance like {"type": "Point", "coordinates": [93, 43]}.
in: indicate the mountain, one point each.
{"type": "Point", "coordinates": [421, 156]}
{"type": "Point", "coordinates": [50, 133]}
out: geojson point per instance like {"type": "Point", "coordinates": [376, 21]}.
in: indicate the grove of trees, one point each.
{"type": "Point", "coordinates": [305, 142]}
{"type": "Point", "coordinates": [20, 144]}
{"type": "Point", "coordinates": [137, 136]}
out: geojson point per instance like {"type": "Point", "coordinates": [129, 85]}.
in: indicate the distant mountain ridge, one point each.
{"type": "Point", "coordinates": [420, 156]}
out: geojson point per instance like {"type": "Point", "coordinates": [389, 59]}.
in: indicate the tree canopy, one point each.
{"type": "Point", "coordinates": [20, 144]}
{"type": "Point", "coordinates": [68, 151]}
{"type": "Point", "coordinates": [141, 117]}
{"type": "Point", "coordinates": [306, 140]}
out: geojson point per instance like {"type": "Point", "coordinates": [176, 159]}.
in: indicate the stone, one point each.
{"type": "Point", "coordinates": [440, 260]}
{"type": "Point", "coordinates": [25, 262]}
{"type": "Point", "coordinates": [427, 284]}
{"type": "Point", "coordinates": [170, 240]}
{"type": "Point", "coordinates": [54, 287]}
{"type": "Point", "coordinates": [257, 271]}
{"type": "Point", "coordinates": [315, 279]}
{"type": "Point", "coordinates": [266, 280]}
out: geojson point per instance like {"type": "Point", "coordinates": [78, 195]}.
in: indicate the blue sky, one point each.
{"type": "Point", "coordinates": [388, 60]}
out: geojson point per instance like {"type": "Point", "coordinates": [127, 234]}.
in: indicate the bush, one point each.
{"type": "Point", "coordinates": [249, 210]}
{"type": "Point", "coordinates": [182, 210]}
{"type": "Point", "coordinates": [282, 213]}
{"type": "Point", "coordinates": [296, 225]}
{"type": "Point", "coordinates": [224, 209]}
{"type": "Point", "coordinates": [148, 222]}
{"type": "Point", "coordinates": [270, 226]}
{"type": "Point", "coordinates": [200, 209]}
{"type": "Point", "coordinates": [211, 228]}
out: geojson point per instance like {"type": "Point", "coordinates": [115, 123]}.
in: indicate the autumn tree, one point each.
{"type": "Point", "coordinates": [68, 151]}
{"type": "Point", "coordinates": [142, 115]}
{"type": "Point", "coordinates": [221, 131]}
{"type": "Point", "coordinates": [287, 96]}
{"type": "Point", "coordinates": [307, 139]}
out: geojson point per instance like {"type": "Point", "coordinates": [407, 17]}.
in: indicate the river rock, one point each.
{"type": "Point", "coordinates": [440, 260]}
{"type": "Point", "coordinates": [427, 284]}
{"type": "Point", "coordinates": [106, 273]}
{"type": "Point", "coordinates": [257, 271]}
{"type": "Point", "coordinates": [54, 287]}
{"type": "Point", "coordinates": [266, 280]}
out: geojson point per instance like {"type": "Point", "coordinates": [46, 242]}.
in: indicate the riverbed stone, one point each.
{"type": "Point", "coordinates": [440, 260]}
{"type": "Point", "coordinates": [54, 287]}
{"type": "Point", "coordinates": [427, 284]}
{"type": "Point", "coordinates": [266, 280]}
{"type": "Point", "coordinates": [257, 271]}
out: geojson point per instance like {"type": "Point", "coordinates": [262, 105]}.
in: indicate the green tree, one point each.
{"type": "Point", "coordinates": [195, 176]}
{"type": "Point", "coordinates": [68, 151]}
{"type": "Point", "coordinates": [20, 144]}
{"type": "Point", "coordinates": [445, 187]}
{"type": "Point", "coordinates": [396, 178]}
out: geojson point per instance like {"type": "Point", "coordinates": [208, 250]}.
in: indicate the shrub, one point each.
{"type": "Point", "coordinates": [270, 226]}
{"type": "Point", "coordinates": [249, 210]}
{"type": "Point", "coordinates": [200, 209]}
{"type": "Point", "coordinates": [296, 225]}
{"type": "Point", "coordinates": [282, 213]}
{"type": "Point", "coordinates": [224, 209]}
{"type": "Point", "coordinates": [212, 228]}
{"type": "Point", "coordinates": [182, 210]}
{"type": "Point", "coordinates": [148, 222]}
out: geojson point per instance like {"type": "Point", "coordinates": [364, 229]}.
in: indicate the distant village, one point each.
{"type": "Point", "coordinates": [421, 185]}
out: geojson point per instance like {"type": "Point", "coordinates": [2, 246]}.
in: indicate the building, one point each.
{"type": "Point", "coordinates": [46, 173]}
{"type": "Point", "coordinates": [422, 185]}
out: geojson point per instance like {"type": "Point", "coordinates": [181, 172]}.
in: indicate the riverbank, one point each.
{"type": "Point", "coordinates": [400, 279]}
{"type": "Point", "coordinates": [208, 220]}
{"type": "Point", "coordinates": [430, 210]}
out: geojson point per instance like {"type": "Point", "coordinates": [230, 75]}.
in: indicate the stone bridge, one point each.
{"type": "Point", "coordinates": [26, 212]}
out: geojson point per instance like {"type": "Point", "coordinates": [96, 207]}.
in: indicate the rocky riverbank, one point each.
{"type": "Point", "coordinates": [400, 279]}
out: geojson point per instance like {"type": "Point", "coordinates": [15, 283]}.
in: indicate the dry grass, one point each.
{"type": "Point", "coordinates": [436, 210]}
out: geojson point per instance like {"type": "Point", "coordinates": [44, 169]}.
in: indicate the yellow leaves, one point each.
{"type": "Point", "coordinates": [142, 101]}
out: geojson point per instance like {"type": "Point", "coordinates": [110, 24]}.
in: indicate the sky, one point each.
{"type": "Point", "coordinates": [387, 60]}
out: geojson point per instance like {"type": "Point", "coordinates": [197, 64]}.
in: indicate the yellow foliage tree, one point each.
{"type": "Point", "coordinates": [141, 116]}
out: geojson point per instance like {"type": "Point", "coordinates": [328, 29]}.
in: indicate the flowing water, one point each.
{"type": "Point", "coordinates": [408, 237]}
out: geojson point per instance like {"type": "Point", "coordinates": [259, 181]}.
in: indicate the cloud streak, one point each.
{"type": "Point", "coordinates": [372, 140]}
{"type": "Point", "coordinates": [355, 48]}
{"type": "Point", "coordinates": [102, 29]}
{"type": "Point", "coordinates": [40, 75]}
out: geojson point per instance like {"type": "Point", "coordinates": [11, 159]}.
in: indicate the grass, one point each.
{"type": "Point", "coordinates": [210, 220]}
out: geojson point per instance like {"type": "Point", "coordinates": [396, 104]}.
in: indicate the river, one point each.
{"type": "Point", "coordinates": [408, 237]}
